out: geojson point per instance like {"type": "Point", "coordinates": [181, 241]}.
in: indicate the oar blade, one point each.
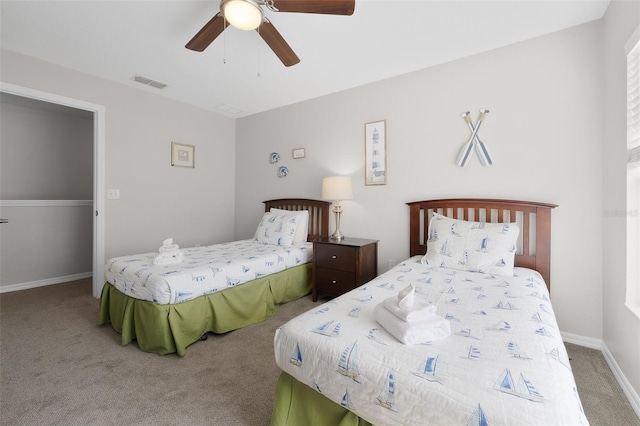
{"type": "Point", "coordinates": [465, 153]}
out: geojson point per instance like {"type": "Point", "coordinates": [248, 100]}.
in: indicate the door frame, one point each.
{"type": "Point", "coordinates": [98, 169]}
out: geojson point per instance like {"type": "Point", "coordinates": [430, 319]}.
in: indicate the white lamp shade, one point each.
{"type": "Point", "coordinates": [337, 188]}
{"type": "Point", "coordinates": [243, 14]}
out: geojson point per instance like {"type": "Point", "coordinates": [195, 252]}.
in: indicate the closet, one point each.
{"type": "Point", "coordinates": [46, 193]}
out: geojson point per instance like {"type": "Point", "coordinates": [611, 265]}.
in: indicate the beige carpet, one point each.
{"type": "Point", "coordinates": [58, 367]}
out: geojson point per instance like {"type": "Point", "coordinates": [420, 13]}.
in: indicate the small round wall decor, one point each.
{"type": "Point", "coordinates": [274, 157]}
{"type": "Point", "coordinates": [283, 171]}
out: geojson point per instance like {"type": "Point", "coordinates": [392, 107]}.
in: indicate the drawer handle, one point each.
{"type": "Point", "coordinates": [334, 257]}
{"type": "Point", "coordinates": [334, 281]}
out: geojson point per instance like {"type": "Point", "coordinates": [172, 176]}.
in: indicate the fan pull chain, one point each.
{"type": "Point", "coordinates": [224, 42]}
{"type": "Point", "coordinates": [258, 51]}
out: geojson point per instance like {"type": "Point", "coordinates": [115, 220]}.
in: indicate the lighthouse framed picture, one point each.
{"type": "Point", "coordinates": [375, 153]}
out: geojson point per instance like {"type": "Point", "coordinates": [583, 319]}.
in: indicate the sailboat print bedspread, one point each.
{"type": "Point", "coordinates": [503, 364]}
{"type": "Point", "coordinates": [204, 270]}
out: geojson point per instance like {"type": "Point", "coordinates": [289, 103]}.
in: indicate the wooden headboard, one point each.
{"type": "Point", "coordinates": [534, 219]}
{"type": "Point", "coordinates": [318, 213]}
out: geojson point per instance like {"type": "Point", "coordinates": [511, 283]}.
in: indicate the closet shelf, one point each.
{"type": "Point", "coordinates": [46, 203]}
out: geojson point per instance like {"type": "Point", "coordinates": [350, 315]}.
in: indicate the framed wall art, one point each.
{"type": "Point", "coordinates": [182, 155]}
{"type": "Point", "coordinates": [375, 157]}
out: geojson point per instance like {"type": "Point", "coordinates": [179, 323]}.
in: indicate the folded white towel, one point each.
{"type": "Point", "coordinates": [168, 246]}
{"type": "Point", "coordinates": [427, 330]}
{"type": "Point", "coordinates": [169, 249]}
{"type": "Point", "coordinates": [406, 297]}
{"type": "Point", "coordinates": [420, 310]}
{"type": "Point", "coordinates": [172, 258]}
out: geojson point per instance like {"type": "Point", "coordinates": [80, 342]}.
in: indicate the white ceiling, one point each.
{"type": "Point", "coordinates": [238, 75]}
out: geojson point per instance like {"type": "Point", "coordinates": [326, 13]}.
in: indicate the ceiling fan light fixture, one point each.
{"type": "Point", "coordinates": [243, 14]}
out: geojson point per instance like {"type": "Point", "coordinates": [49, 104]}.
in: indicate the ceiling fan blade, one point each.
{"type": "Point", "coordinates": [327, 7]}
{"type": "Point", "coordinates": [277, 43]}
{"type": "Point", "coordinates": [208, 33]}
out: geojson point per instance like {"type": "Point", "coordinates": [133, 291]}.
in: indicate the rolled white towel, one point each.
{"type": "Point", "coordinates": [427, 330]}
{"type": "Point", "coordinates": [420, 310]}
{"type": "Point", "coordinates": [165, 259]}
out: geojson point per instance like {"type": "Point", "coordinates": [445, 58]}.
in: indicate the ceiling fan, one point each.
{"type": "Point", "coordinates": [248, 15]}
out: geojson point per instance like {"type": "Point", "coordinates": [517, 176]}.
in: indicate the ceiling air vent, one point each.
{"type": "Point", "coordinates": [149, 82]}
{"type": "Point", "coordinates": [228, 109]}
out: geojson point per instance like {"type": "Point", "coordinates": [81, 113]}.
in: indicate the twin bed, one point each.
{"type": "Point", "coordinates": [503, 362]}
{"type": "Point", "coordinates": [215, 288]}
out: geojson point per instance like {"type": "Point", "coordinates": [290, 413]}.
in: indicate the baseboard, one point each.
{"type": "Point", "coordinates": [628, 390]}
{"type": "Point", "coordinates": [598, 344]}
{"type": "Point", "coordinates": [42, 283]}
{"type": "Point", "coordinates": [588, 342]}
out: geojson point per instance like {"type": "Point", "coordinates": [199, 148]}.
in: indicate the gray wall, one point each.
{"type": "Point", "coordinates": [46, 155]}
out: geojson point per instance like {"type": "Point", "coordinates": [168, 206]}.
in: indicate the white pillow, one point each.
{"type": "Point", "coordinates": [302, 231]}
{"type": "Point", "coordinates": [276, 229]}
{"type": "Point", "coordinates": [489, 248]}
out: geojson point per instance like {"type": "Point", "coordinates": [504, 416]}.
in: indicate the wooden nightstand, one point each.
{"type": "Point", "coordinates": [340, 266]}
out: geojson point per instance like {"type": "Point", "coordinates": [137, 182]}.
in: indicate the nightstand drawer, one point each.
{"type": "Point", "coordinates": [334, 256]}
{"type": "Point", "coordinates": [334, 282]}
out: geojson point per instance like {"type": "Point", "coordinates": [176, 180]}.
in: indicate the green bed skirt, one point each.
{"type": "Point", "coordinates": [298, 404]}
{"type": "Point", "coordinates": [165, 329]}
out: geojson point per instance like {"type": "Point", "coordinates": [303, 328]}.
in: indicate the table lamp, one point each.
{"type": "Point", "coordinates": [336, 189]}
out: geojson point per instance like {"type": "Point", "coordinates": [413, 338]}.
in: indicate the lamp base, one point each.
{"type": "Point", "coordinates": [337, 210]}
{"type": "Point", "coordinates": [337, 235]}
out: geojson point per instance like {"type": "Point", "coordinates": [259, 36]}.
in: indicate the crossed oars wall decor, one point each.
{"type": "Point", "coordinates": [474, 142]}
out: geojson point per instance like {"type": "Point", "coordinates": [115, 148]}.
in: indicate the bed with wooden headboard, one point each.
{"type": "Point", "coordinates": [493, 355]}
{"type": "Point", "coordinates": [533, 218]}
{"type": "Point", "coordinates": [318, 213]}
{"type": "Point", "coordinates": [216, 288]}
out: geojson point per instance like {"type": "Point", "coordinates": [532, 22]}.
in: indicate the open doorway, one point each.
{"type": "Point", "coordinates": [98, 114]}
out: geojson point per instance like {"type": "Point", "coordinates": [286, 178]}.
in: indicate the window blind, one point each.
{"type": "Point", "coordinates": [633, 105]}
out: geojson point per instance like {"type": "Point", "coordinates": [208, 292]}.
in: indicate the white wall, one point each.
{"type": "Point", "coordinates": [194, 206]}
{"type": "Point", "coordinates": [621, 327]}
{"type": "Point", "coordinates": [544, 130]}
